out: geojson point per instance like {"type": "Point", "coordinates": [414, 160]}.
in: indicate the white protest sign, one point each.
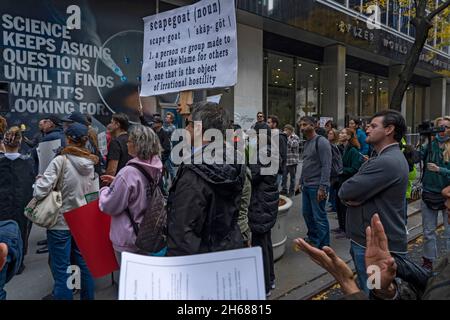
{"type": "Point", "coordinates": [324, 120]}
{"type": "Point", "coordinates": [46, 151]}
{"type": "Point", "coordinates": [102, 143]}
{"type": "Point", "coordinates": [215, 99]}
{"type": "Point", "coordinates": [225, 275]}
{"type": "Point", "coordinates": [189, 48]}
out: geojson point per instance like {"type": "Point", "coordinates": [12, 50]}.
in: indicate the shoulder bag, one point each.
{"type": "Point", "coordinates": [45, 212]}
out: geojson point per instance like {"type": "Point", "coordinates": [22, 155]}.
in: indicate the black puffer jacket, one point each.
{"type": "Point", "coordinates": [203, 209]}
{"type": "Point", "coordinates": [263, 210]}
{"type": "Point", "coordinates": [16, 189]}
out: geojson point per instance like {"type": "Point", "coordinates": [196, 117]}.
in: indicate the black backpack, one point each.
{"type": "Point", "coordinates": [151, 233]}
{"type": "Point", "coordinates": [337, 166]}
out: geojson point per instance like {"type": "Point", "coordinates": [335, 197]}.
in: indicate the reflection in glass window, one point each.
{"type": "Point", "coordinates": [281, 87]}
{"type": "Point", "coordinates": [404, 19]}
{"type": "Point", "coordinates": [351, 94]}
{"type": "Point", "coordinates": [409, 108]}
{"type": "Point", "coordinates": [355, 5]}
{"type": "Point", "coordinates": [419, 106]}
{"type": "Point", "coordinates": [393, 14]}
{"type": "Point", "coordinates": [382, 94]}
{"type": "Point", "coordinates": [308, 89]}
{"type": "Point", "coordinates": [367, 90]}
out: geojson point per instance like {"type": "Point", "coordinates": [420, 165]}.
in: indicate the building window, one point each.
{"type": "Point", "coordinates": [351, 94]}
{"type": "Point", "coordinates": [308, 93]}
{"type": "Point", "coordinates": [355, 5]}
{"type": "Point", "coordinates": [382, 94]}
{"type": "Point", "coordinates": [367, 95]}
{"type": "Point", "coordinates": [393, 14]}
{"type": "Point", "coordinates": [280, 87]}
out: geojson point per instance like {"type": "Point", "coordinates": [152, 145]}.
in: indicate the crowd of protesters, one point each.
{"type": "Point", "coordinates": [365, 175]}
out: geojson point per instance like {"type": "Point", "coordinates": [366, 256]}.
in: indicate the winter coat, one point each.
{"type": "Point", "coordinates": [203, 208]}
{"type": "Point", "coordinates": [78, 181]}
{"type": "Point", "coordinates": [351, 161]}
{"type": "Point", "coordinates": [282, 140]}
{"type": "Point", "coordinates": [16, 189]}
{"type": "Point", "coordinates": [263, 210]}
{"type": "Point", "coordinates": [128, 190]}
{"type": "Point", "coordinates": [435, 181]}
{"type": "Point", "coordinates": [245, 204]}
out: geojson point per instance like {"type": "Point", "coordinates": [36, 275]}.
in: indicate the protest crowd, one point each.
{"type": "Point", "coordinates": [363, 172]}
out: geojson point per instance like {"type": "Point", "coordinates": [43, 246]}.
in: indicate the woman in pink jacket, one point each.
{"type": "Point", "coordinates": [128, 190]}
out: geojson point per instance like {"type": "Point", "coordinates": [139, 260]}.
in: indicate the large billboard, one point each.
{"type": "Point", "coordinates": [60, 56]}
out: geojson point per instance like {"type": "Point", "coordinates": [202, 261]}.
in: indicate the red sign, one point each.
{"type": "Point", "coordinates": [90, 228]}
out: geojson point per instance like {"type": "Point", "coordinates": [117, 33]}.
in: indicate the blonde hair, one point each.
{"type": "Point", "coordinates": [12, 137]}
{"type": "Point", "coordinates": [446, 153]}
{"type": "Point", "coordinates": [335, 135]}
{"type": "Point", "coordinates": [3, 125]}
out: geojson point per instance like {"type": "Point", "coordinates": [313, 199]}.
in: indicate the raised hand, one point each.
{"type": "Point", "coordinates": [377, 252]}
{"type": "Point", "coordinates": [328, 260]}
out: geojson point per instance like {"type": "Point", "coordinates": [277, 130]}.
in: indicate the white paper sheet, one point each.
{"type": "Point", "coordinates": [226, 275]}
{"type": "Point", "coordinates": [46, 152]}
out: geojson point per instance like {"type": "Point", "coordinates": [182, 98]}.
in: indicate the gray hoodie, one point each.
{"type": "Point", "coordinates": [378, 187]}
{"type": "Point", "coordinates": [78, 181]}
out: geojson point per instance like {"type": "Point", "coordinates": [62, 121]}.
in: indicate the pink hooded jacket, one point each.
{"type": "Point", "coordinates": [128, 190]}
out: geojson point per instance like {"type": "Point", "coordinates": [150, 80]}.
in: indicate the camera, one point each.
{"type": "Point", "coordinates": [427, 128]}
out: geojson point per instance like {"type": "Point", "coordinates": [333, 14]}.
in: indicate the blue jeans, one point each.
{"type": "Point", "coordinates": [315, 217]}
{"type": "Point", "coordinates": [429, 224]}
{"type": "Point", "coordinates": [10, 235]}
{"type": "Point", "coordinates": [170, 169]}
{"type": "Point", "coordinates": [358, 255]}
{"type": "Point", "coordinates": [64, 252]}
{"type": "Point", "coordinates": [332, 198]}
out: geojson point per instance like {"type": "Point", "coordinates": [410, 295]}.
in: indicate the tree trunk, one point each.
{"type": "Point", "coordinates": [422, 28]}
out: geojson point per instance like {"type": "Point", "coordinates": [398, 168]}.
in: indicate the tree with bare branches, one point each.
{"type": "Point", "coordinates": [424, 15]}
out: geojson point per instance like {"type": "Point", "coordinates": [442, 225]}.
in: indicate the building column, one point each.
{"type": "Point", "coordinates": [394, 71]}
{"type": "Point", "coordinates": [447, 101]}
{"type": "Point", "coordinates": [438, 97]}
{"type": "Point", "coordinates": [333, 83]}
{"type": "Point", "coordinates": [248, 92]}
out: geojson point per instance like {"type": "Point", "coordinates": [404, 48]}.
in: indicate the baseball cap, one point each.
{"type": "Point", "coordinates": [77, 117]}
{"type": "Point", "coordinates": [76, 131]}
{"type": "Point", "coordinates": [55, 119]}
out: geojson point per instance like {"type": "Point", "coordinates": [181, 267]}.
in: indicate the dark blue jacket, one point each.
{"type": "Point", "coordinates": [10, 235]}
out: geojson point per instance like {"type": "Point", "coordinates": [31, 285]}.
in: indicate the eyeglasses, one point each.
{"type": "Point", "coordinates": [260, 116]}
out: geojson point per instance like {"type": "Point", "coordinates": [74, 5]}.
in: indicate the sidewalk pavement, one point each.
{"type": "Point", "coordinates": [297, 276]}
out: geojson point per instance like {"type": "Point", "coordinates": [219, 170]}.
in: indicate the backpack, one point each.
{"type": "Point", "coordinates": [337, 166]}
{"type": "Point", "coordinates": [151, 233]}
